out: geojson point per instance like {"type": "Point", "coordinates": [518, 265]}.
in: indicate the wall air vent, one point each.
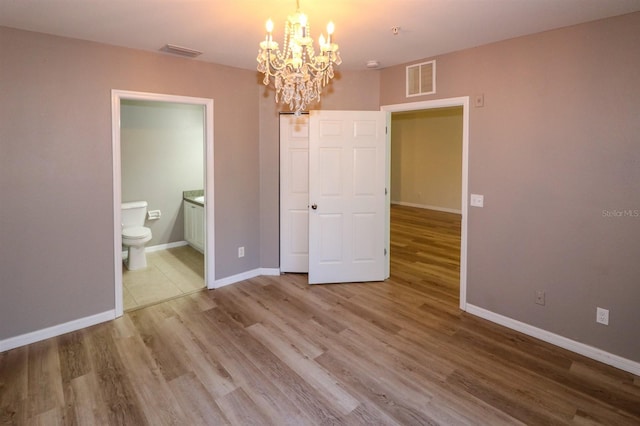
{"type": "Point", "coordinates": [421, 79]}
{"type": "Point", "coordinates": [179, 50]}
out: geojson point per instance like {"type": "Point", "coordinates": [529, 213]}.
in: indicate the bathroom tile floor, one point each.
{"type": "Point", "coordinates": [170, 273]}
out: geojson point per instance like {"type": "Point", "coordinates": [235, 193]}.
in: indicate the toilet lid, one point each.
{"type": "Point", "coordinates": [136, 232]}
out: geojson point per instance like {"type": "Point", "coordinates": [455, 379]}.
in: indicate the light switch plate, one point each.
{"type": "Point", "coordinates": [478, 100]}
{"type": "Point", "coordinates": [477, 200]}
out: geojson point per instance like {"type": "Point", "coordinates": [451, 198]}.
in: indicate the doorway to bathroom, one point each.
{"type": "Point", "coordinates": [163, 154]}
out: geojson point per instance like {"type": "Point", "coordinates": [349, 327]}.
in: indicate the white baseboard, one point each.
{"type": "Point", "coordinates": [56, 330]}
{"type": "Point", "coordinates": [424, 206]}
{"type": "Point", "coordinates": [159, 247]}
{"type": "Point", "coordinates": [246, 276]}
{"type": "Point", "coordinates": [165, 246]}
{"type": "Point", "coordinates": [555, 339]}
{"type": "Point", "coordinates": [270, 271]}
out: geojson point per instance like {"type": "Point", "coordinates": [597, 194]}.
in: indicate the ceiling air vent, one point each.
{"type": "Point", "coordinates": [421, 79]}
{"type": "Point", "coordinates": [179, 50]}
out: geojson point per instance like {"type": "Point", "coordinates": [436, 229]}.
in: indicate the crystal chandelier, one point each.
{"type": "Point", "coordinates": [299, 73]}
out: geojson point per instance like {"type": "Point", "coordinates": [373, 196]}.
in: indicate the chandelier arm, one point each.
{"type": "Point", "coordinates": [320, 69]}
{"type": "Point", "coordinates": [319, 66]}
{"type": "Point", "coordinates": [272, 66]}
{"type": "Point", "coordinates": [276, 63]}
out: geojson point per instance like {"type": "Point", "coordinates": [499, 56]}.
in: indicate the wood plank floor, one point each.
{"type": "Point", "coordinates": [274, 350]}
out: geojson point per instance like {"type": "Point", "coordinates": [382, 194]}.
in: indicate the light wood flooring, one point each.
{"type": "Point", "coordinates": [276, 351]}
{"type": "Point", "coordinates": [169, 273]}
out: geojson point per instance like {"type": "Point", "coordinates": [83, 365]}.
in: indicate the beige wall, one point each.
{"type": "Point", "coordinates": [56, 256]}
{"type": "Point", "coordinates": [426, 158]}
{"type": "Point", "coordinates": [56, 209]}
{"type": "Point", "coordinates": [554, 150]}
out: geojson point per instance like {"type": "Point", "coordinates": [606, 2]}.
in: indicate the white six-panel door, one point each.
{"type": "Point", "coordinates": [294, 193]}
{"type": "Point", "coordinates": [347, 201]}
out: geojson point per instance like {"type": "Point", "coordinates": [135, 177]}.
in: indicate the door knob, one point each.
{"type": "Point", "coordinates": [314, 206]}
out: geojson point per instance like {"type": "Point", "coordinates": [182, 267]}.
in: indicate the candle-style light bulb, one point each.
{"type": "Point", "coordinates": [269, 38]}
{"type": "Point", "coordinates": [330, 29]}
{"type": "Point", "coordinates": [303, 24]}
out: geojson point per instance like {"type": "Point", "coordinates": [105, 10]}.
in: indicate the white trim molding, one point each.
{"type": "Point", "coordinates": [423, 206]}
{"type": "Point", "coordinates": [56, 330]}
{"type": "Point", "coordinates": [160, 247]}
{"type": "Point", "coordinates": [555, 339]}
{"type": "Point", "coordinates": [270, 271]}
{"type": "Point", "coordinates": [246, 276]}
{"type": "Point", "coordinates": [167, 246]}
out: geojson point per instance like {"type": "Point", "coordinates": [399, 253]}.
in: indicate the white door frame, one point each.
{"type": "Point", "coordinates": [443, 103]}
{"type": "Point", "coordinates": [116, 97]}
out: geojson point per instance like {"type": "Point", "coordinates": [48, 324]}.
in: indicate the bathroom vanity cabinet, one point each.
{"type": "Point", "coordinates": [194, 225]}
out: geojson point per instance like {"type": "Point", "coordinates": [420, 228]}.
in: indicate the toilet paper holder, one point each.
{"type": "Point", "coordinates": [154, 214]}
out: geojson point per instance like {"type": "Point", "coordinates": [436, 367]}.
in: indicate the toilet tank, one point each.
{"type": "Point", "coordinates": [133, 213]}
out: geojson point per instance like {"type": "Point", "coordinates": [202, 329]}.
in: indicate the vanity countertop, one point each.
{"type": "Point", "coordinates": [195, 196]}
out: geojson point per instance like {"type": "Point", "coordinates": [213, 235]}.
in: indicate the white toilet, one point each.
{"type": "Point", "coordinates": [134, 234]}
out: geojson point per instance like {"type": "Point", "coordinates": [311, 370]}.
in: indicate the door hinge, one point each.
{"type": "Point", "coordinates": [385, 191]}
{"type": "Point", "coordinates": [385, 252]}
{"type": "Point", "coordinates": [386, 130]}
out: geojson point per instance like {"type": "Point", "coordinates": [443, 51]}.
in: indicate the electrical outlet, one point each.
{"type": "Point", "coordinates": [602, 316]}
{"type": "Point", "coordinates": [240, 251]}
{"type": "Point", "coordinates": [540, 297]}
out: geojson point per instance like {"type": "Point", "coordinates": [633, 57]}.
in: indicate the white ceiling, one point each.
{"type": "Point", "coordinates": [228, 31]}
